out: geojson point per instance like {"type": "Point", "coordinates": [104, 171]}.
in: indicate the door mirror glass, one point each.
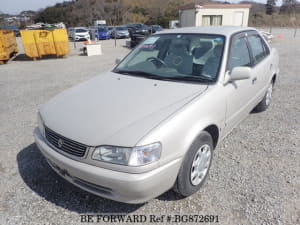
{"type": "Point", "coordinates": [240, 73]}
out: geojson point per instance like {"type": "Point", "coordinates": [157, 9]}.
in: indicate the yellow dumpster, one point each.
{"type": "Point", "coordinates": [38, 43]}
{"type": "Point", "coordinates": [8, 45]}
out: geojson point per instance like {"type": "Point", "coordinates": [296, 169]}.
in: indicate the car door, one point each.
{"type": "Point", "coordinates": [261, 67]}
{"type": "Point", "coordinates": [239, 92]}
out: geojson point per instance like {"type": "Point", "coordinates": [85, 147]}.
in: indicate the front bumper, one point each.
{"type": "Point", "coordinates": [122, 35]}
{"type": "Point", "coordinates": [79, 38]}
{"type": "Point", "coordinates": [118, 186]}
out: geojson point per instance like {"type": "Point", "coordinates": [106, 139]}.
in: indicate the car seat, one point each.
{"type": "Point", "coordinates": [212, 64]}
{"type": "Point", "coordinates": [179, 57]}
{"type": "Point", "coordinates": [205, 46]}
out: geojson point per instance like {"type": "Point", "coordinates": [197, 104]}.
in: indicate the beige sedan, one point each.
{"type": "Point", "coordinates": [153, 122]}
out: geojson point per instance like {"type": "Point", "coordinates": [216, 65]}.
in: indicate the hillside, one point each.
{"type": "Point", "coordinates": [84, 12]}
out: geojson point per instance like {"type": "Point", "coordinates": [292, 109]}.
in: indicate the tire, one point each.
{"type": "Point", "coordinates": [188, 182]}
{"type": "Point", "coordinates": [265, 103]}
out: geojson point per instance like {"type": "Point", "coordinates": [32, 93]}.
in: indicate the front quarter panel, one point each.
{"type": "Point", "coordinates": [179, 131]}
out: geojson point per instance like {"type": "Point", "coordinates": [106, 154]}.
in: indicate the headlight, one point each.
{"type": "Point", "coordinates": [112, 154]}
{"type": "Point", "coordinates": [136, 156]}
{"type": "Point", "coordinates": [41, 124]}
{"type": "Point", "coordinates": [143, 155]}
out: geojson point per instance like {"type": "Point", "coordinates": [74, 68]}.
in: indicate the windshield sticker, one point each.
{"type": "Point", "coordinates": [150, 40]}
{"type": "Point", "coordinates": [218, 39]}
{"type": "Point", "coordinates": [147, 46]}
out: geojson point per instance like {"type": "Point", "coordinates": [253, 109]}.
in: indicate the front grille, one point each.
{"type": "Point", "coordinates": [65, 144]}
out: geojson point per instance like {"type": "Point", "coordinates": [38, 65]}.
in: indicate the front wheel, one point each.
{"type": "Point", "coordinates": [195, 166]}
{"type": "Point", "coordinates": [264, 104]}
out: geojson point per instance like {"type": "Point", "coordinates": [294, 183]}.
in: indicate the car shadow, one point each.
{"type": "Point", "coordinates": [170, 196]}
{"type": "Point", "coordinates": [40, 178]}
{"type": "Point", "coordinates": [24, 57]}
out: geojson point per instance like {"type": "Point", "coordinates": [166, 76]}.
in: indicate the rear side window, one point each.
{"type": "Point", "coordinates": [239, 54]}
{"type": "Point", "coordinates": [259, 50]}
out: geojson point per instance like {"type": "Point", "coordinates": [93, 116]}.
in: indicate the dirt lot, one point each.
{"type": "Point", "coordinates": [254, 179]}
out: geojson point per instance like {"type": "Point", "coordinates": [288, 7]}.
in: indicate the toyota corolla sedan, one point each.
{"type": "Point", "coordinates": [153, 122]}
{"type": "Point", "coordinates": [120, 32]}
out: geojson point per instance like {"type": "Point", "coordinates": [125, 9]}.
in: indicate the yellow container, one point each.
{"type": "Point", "coordinates": [8, 45]}
{"type": "Point", "coordinates": [45, 42]}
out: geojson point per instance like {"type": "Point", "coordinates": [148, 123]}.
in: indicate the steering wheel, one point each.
{"type": "Point", "coordinates": [157, 62]}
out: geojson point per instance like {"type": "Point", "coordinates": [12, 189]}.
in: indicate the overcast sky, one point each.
{"type": "Point", "coordinates": [16, 6]}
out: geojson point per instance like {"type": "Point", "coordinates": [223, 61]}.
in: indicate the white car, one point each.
{"type": "Point", "coordinates": [80, 34]}
{"type": "Point", "coordinates": [153, 122]}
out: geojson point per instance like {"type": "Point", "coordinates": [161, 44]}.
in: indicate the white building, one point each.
{"type": "Point", "coordinates": [214, 15]}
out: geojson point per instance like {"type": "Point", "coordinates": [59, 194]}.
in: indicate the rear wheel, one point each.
{"type": "Point", "coordinates": [195, 166]}
{"type": "Point", "coordinates": [264, 104]}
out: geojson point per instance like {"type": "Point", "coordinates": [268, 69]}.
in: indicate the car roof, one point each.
{"type": "Point", "coordinates": [84, 28]}
{"type": "Point", "coordinates": [221, 30]}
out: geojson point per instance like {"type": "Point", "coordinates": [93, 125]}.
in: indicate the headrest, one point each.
{"type": "Point", "coordinates": [206, 44]}
{"type": "Point", "coordinates": [218, 50]}
{"type": "Point", "coordinates": [179, 44]}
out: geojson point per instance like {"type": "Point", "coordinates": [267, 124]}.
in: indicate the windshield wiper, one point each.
{"type": "Point", "coordinates": [192, 78]}
{"type": "Point", "coordinates": [144, 74]}
{"type": "Point", "coordinates": [189, 78]}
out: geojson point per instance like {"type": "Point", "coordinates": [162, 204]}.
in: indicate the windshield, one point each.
{"type": "Point", "coordinates": [157, 27]}
{"type": "Point", "coordinates": [81, 31]}
{"type": "Point", "coordinates": [102, 29]}
{"type": "Point", "coordinates": [186, 57]}
{"type": "Point", "coordinates": [121, 28]}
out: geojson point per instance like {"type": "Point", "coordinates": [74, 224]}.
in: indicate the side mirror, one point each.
{"type": "Point", "coordinates": [238, 73]}
{"type": "Point", "coordinates": [118, 60]}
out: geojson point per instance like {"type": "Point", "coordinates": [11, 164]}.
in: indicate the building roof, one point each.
{"type": "Point", "coordinates": [214, 6]}
{"type": "Point", "coordinates": [219, 30]}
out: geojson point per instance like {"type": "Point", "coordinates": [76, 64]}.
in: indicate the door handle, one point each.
{"type": "Point", "coordinates": [254, 80]}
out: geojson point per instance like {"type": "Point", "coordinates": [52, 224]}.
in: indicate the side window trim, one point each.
{"type": "Point", "coordinates": [264, 45]}
{"type": "Point", "coordinates": [243, 34]}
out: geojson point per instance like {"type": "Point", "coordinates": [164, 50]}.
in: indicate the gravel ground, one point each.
{"type": "Point", "coordinates": [254, 179]}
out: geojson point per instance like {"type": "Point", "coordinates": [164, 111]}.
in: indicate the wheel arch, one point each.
{"type": "Point", "coordinates": [213, 130]}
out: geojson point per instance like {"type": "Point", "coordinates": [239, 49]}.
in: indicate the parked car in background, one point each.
{"type": "Point", "coordinates": [154, 121]}
{"type": "Point", "coordinates": [120, 32]}
{"type": "Point", "coordinates": [156, 28]}
{"type": "Point", "coordinates": [139, 28]}
{"type": "Point", "coordinates": [80, 34]}
{"type": "Point", "coordinates": [110, 28]}
{"type": "Point", "coordinates": [138, 32]}
{"type": "Point", "coordinates": [102, 33]}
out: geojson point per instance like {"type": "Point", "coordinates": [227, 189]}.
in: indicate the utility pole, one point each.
{"type": "Point", "coordinates": [270, 11]}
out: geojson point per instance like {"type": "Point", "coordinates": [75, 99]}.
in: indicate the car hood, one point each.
{"type": "Point", "coordinates": [122, 32]}
{"type": "Point", "coordinates": [114, 109]}
{"type": "Point", "coordinates": [82, 33]}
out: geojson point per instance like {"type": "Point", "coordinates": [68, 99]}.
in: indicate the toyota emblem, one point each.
{"type": "Point", "coordinates": [60, 143]}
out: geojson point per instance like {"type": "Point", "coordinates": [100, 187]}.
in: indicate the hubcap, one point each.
{"type": "Point", "coordinates": [200, 164]}
{"type": "Point", "coordinates": [269, 94]}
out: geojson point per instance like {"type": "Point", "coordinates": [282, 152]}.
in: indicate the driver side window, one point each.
{"type": "Point", "coordinates": [239, 54]}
